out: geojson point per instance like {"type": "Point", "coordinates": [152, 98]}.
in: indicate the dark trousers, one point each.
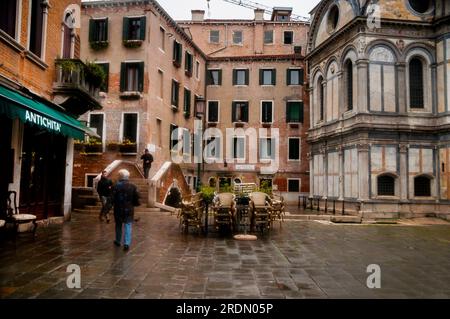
{"type": "Point", "coordinates": [146, 171]}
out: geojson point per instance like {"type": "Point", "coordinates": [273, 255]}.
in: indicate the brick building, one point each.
{"type": "Point", "coordinates": [156, 75]}
{"type": "Point", "coordinates": [380, 106]}
{"type": "Point", "coordinates": [41, 96]}
{"type": "Point", "coordinates": [255, 80]}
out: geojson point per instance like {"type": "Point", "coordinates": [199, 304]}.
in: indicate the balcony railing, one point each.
{"type": "Point", "coordinates": [79, 88]}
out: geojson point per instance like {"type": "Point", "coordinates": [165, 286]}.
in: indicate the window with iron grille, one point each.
{"type": "Point", "coordinates": [349, 83]}
{"type": "Point", "coordinates": [416, 83]}
{"type": "Point", "coordinates": [386, 185]}
{"type": "Point", "coordinates": [422, 186]}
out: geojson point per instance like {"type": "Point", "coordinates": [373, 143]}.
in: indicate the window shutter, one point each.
{"type": "Point", "coordinates": [301, 76]}
{"type": "Point", "coordinates": [91, 30]}
{"type": "Point", "coordinates": [234, 77]}
{"type": "Point", "coordinates": [300, 105]}
{"type": "Point", "coordinates": [125, 30]}
{"type": "Point", "coordinates": [288, 77]}
{"type": "Point", "coordinates": [274, 77]}
{"type": "Point", "coordinates": [233, 112]}
{"type": "Point", "coordinates": [209, 78]}
{"type": "Point", "coordinates": [107, 29]}
{"type": "Point", "coordinates": [141, 76]}
{"type": "Point", "coordinates": [261, 77]}
{"type": "Point", "coordinates": [247, 77]}
{"type": "Point", "coordinates": [245, 113]}
{"type": "Point", "coordinates": [123, 76]}
{"type": "Point", "coordinates": [174, 50]}
{"type": "Point", "coordinates": [220, 77]}
{"type": "Point", "coordinates": [288, 112]}
{"type": "Point", "coordinates": [143, 28]}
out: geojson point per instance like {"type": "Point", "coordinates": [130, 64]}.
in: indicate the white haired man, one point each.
{"type": "Point", "coordinates": [125, 198]}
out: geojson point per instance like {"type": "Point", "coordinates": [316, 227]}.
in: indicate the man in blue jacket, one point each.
{"type": "Point", "coordinates": [125, 198]}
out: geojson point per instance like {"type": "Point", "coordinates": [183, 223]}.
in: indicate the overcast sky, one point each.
{"type": "Point", "coordinates": [219, 9]}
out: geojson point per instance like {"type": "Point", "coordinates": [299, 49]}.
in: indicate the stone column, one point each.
{"type": "Point", "coordinates": [68, 180]}
{"type": "Point", "coordinates": [363, 171]}
{"type": "Point", "coordinates": [362, 70]}
{"type": "Point", "coordinates": [401, 84]}
{"type": "Point", "coordinates": [403, 150]}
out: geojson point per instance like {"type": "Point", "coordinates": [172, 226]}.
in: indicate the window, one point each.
{"type": "Point", "coordinates": [240, 77]}
{"type": "Point", "coordinates": [186, 142]}
{"type": "Point", "coordinates": [96, 122]}
{"type": "Point", "coordinates": [188, 63]}
{"type": "Point", "coordinates": [267, 77]}
{"type": "Point", "coordinates": [105, 84]}
{"type": "Point", "coordinates": [162, 38]}
{"type": "Point", "coordinates": [214, 36]}
{"type": "Point", "coordinates": [173, 136]}
{"type": "Point", "coordinates": [134, 28]}
{"type": "Point", "coordinates": [213, 147]}
{"type": "Point", "coordinates": [295, 77]}
{"type": "Point", "coordinates": [130, 125]}
{"type": "Point", "coordinates": [98, 30]}
{"type": "Point", "coordinates": [267, 112]}
{"type": "Point", "coordinates": [239, 147]}
{"type": "Point", "coordinates": [268, 37]}
{"type": "Point", "coordinates": [321, 98]}
{"type": "Point", "coordinates": [36, 27]}
{"type": "Point", "coordinates": [237, 37]}
{"type": "Point", "coordinates": [161, 84]}
{"type": "Point", "coordinates": [294, 149]}
{"type": "Point", "coordinates": [187, 102]}
{"type": "Point", "coordinates": [214, 77]}
{"type": "Point", "coordinates": [197, 69]}
{"type": "Point", "coordinates": [422, 186]}
{"type": "Point", "coordinates": [177, 53]}
{"type": "Point", "coordinates": [240, 112]}
{"type": "Point", "coordinates": [132, 77]}
{"type": "Point", "coordinates": [293, 185]}
{"type": "Point", "coordinates": [294, 112]}
{"type": "Point", "coordinates": [266, 148]}
{"type": "Point", "coordinates": [175, 93]}
{"type": "Point", "coordinates": [420, 6]}
{"type": "Point", "coordinates": [349, 84]}
{"type": "Point", "coordinates": [8, 16]}
{"type": "Point", "coordinates": [416, 84]}
{"type": "Point", "coordinates": [213, 111]}
{"type": "Point", "coordinates": [288, 37]}
{"type": "Point", "coordinates": [386, 185]}
{"type": "Point", "coordinates": [158, 132]}
{"type": "Point", "coordinates": [333, 18]}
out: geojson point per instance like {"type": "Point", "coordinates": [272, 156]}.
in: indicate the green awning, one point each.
{"type": "Point", "coordinates": [15, 105]}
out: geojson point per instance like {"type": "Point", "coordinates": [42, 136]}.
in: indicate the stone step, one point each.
{"type": "Point", "coordinates": [346, 219]}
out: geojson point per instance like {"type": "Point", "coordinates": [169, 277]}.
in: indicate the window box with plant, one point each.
{"type": "Point", "coordinates": [128, 146]}
{"type": "Point", "coordinates": [98, 34]}
{"type": "Point", "coordinates": [133, 31]}
{"type": "Point", "coordinates": [93, 146]}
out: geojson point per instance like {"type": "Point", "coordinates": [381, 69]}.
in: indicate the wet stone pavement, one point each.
{"type": "Point", "coordinates": [298, 260]}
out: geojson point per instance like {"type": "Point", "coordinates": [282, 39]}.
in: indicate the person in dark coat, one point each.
{"type": "Point", "coordinates": [104, 190]}
{"type": "Point", "coordinates": [147, 160]}
{"type": "Point", "coordinates": [125, 198]}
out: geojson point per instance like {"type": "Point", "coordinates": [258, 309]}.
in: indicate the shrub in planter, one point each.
{"type": "Point", "coordinates": [95, 74]}
{"type": "Point", "coordinates": [131, 44]}
{"type": "Point", "coordinates": [99, 45]}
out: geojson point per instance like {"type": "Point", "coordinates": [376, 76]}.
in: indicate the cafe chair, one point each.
{"type": "Point", "coordinates": [260, 210]}
{"type": "Point", "coordinates": [17, 219]}
{"type": "Point", "coordinates": [224, 209]}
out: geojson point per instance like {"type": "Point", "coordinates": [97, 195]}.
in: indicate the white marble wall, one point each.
{"type": "Point", "coordinates": [333, 174]}
{"type": "Point", "coordinates": [319, 175]}
{"type": "Point", "coordinates": [351, 185]}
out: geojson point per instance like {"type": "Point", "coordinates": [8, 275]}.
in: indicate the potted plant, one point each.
{"type": "Point", "coordinates": [95, 74]}
{"type": "Point", "coordinates": [131, 44]}
{"type": "Point", "coordinates": [128, 146]}
{"type": "Point", "coordinates": [93, 146]}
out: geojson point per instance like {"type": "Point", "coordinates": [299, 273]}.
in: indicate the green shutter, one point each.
{"type": "Point", "coordinates": [301, 76]}
{"type": "Point", "coordinates": [261, 76]}
{"type": "Point", "coordinates": [288, 112]}
{"type": "Point", "coordinates": [247, 77]}
{"type": "Point", "coordinates": [105, 84]}
{"type": "Point", "coordinates": [143, 28]}
{"type": "Point", "coordinates": [301, 111]}
{"type": "Point", "coordinates": [233, 112]}
{"type": "Point", "coordinates": [245, 113]}
{"type": "Point", "coordinates": [274, 77]}
{"type": "Point", "coordinates": [220, 77]}
{"type": "Point", "coordinates": [234, 77]}
{"type": "Point", "coordinates": [288, 77]}
{"type": "Point", "coordinates": [141, 76]}
{"type": "Point", "coordinates": [209, 80]}
{"type": "Point", "coordinates": [91, 30]}
{"type": "Point", "coordinates": [106, 30]}
{"type": "Point", "coordinates": [123, 76]}
{"type": "Point", "coordinates": [125, 29]}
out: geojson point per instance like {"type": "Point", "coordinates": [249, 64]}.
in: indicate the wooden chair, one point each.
{"type": "Point", "coordinates": [17, 219]}
{"type": "Point", "coordinates": [191, 212]}
{"type": "Point", "coordinates": [277, 208]}
{"type": "Point", "coordinates": [260, 210]}
{"type": "Point", "coordinates": [224, 208]}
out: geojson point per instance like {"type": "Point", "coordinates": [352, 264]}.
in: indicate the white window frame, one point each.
{"type": "Point", "coordinates": [219, 151]}
{"type": "Point", "coordinates": [245, 148]}
{"type": "Point", "coordinates": [267, 69]}
{"type": "Point", "coordinates": [248, 110]}
{"type": "Point", "coordinates": [122, 124]}
{"type": "Point", "coordinates": [161, 86]}
{"type": "Point", "coordinates": [242, 69]}
{"type": "Point", "coordinates": [86, 175]}
{"type": "Point", "coordinates": [197, 69]}
{"type": "Point", "coordinates": [293, 37]}
{"type": "Point", "coordinates": [104, 126]}
{"type": "Point", "coordinates": [218, 111]}
{"type": "Point", "coordinates": [209, 37]}
{"type": "Point", "coordinates": [272, 156]}
{"type": "Point", "coordinates": [17, 36]}
{"type": "Point", "coordinates": [162, 40]}
{"type": "Point", "coordinates": [242, 37]}
{"type": "Point", "coordinates": [299, 69]}
{"type": "Point", "coordinates": [299, 184]}
{"type": "Point", "coordinates": [215, 69]}
{"type": "Point", "coordinates": [261, 111]}
{"type": "Point", "coordinates": [44, 31]}
{"type": "Point", "coordinates": [299, 149]}
{"type": "Point", "coordinates": [296, 101]}
{"type": "Point", "coordinates": [273, 37]}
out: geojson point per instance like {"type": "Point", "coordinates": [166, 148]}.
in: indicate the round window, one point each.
{"type": "Point", "coordinates": [420, 6]}
{"type": "Point", "coordinates": [333, 18]}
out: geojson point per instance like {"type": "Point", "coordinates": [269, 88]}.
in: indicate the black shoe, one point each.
{"type": "Point", "coordinates": [116, 243]}
{"type": "Point", "coordinates": [126, 247]}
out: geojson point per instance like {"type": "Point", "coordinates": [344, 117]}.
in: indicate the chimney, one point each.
{"type": "Point", "coordinates": [198, 15]}
{"type": "Point", "coordinates": [259, 14]}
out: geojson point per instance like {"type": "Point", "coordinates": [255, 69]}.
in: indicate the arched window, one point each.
{"type": "Point", "coordinates": [321, 98]}
{"type": "Point", "coordinates": [386, 185]}
{"type": "Point", "coordinates": [416, 99]}
{"type": "Point", "coordinates": [422, 186]}
{"type": "Point", "coordinates": [349, 84]}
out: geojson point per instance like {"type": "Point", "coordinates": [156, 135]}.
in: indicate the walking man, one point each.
{"type": "Point", "coordinates": [104, 190]}
{"type": "Point", "coordinates": [147, 159]}
{"type": "Point", "coordinates": [125, 198]}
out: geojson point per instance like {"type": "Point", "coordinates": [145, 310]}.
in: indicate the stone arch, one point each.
{"type": "Point", "coordinates": [348, 51]}
{"type": "Point", "coordinates": [384, 44]}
